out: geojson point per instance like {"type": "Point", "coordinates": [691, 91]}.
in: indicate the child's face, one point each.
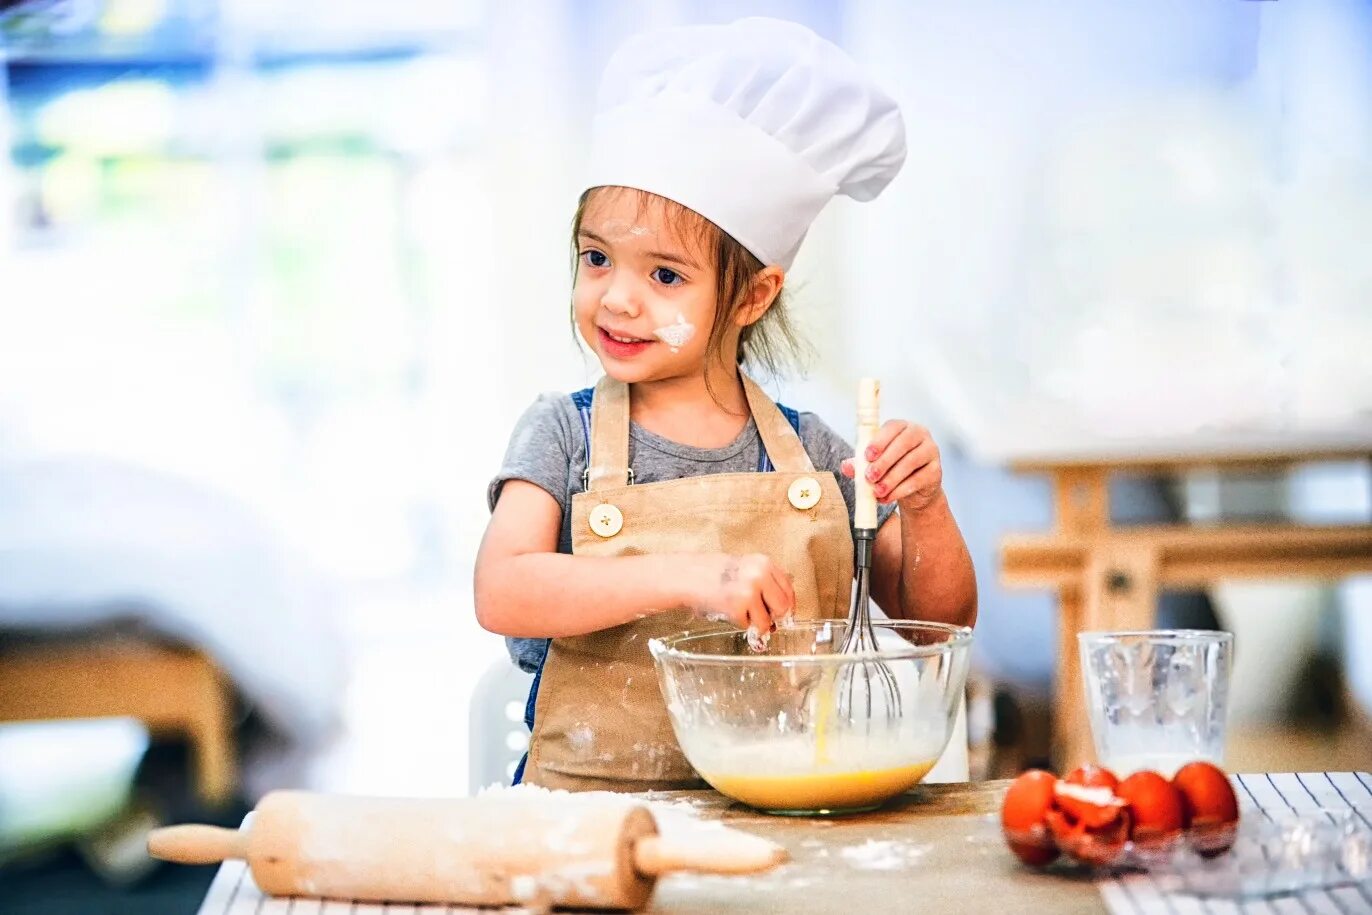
{"type": "Point", "coordinates": [644, 296]}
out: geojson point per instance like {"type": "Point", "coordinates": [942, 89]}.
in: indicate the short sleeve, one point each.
{"type": "Point", "coordinates": [828, 450]}
{"type": "Point", "coordinates": [540, 449]}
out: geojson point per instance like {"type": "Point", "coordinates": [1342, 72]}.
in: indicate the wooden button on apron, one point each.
{"type": "Point", "coordinates": [804, 493]}
{"type": "Point", "coordinates": [606, 520]}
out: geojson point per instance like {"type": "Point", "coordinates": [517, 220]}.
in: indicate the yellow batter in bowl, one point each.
{"type": "Point", "coordinates": [790, 774]}
{"type": "Point", "coordinates": [846, 792]}
{"type": "Point", "coordinates": [763, 727]}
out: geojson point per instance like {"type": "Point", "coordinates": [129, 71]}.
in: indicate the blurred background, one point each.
{"type": "Point", "coordinates": [278, 276]}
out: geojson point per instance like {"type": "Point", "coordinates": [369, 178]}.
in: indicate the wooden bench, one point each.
{"type": "Point", "coordinates": [173, 691]}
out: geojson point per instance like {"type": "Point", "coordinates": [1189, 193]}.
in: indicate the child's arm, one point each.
{"type": "Point", "coordinates": [921, 568]}
{"type": "Point", "coordinates": [525, 588]}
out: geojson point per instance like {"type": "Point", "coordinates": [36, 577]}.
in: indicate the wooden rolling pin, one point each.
{"type": "Point", "coordinates": [471, 851]}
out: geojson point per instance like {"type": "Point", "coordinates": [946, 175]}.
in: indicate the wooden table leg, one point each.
{"type": "Point", "coordinates": [1071, 737]}
{"type": "Point", "coordinates": [1081, 501]}
{"type": "Point", "coordinates": [1121, 587]}
{"type": "Point", "coordinates": [1119, 591]}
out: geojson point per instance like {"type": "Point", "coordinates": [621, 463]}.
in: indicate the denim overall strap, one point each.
{"type": "Point", "coordinates": [764, 463]}
{"type": "Point", "coordinates": [778, 432]}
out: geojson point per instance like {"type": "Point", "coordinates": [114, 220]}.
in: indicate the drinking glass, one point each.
{"type": "Point", "coordinates": [1157, 698]}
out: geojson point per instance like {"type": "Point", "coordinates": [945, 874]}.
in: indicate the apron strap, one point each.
{"type": "Point", "coordinates": [779, 437]}
{"type": "Point", "coordinates": [607, 466]}
{"type": "Point", "coordinates": [608, 463]}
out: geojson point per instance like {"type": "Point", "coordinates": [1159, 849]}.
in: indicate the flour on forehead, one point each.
{"type": "Point", "coordinates": [615, 229]}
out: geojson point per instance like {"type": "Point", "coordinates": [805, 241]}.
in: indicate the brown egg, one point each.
{"type": "Point", "coordinates": [1022, 817]}
{"type": "Point", "coordinates": [1210, 809]}
{"type": "Point", "coordinates": [1155, 808]}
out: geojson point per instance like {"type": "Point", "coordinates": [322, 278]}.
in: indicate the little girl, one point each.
{"type": "Point", "coordinates": [675, 491]}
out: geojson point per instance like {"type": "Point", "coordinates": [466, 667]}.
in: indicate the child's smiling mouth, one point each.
{"type": "Point", "coordinates": [623, 339]}
{"type": "Point", "coordinates": [621, 346]}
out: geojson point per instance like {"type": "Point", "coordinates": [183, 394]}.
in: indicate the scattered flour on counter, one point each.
{"type": "Point", "coordinates": [786, 877]}
{"type": "Point", "coordinates": [680, 807]}
{"type": "Point", "coordinates": [882, 854]}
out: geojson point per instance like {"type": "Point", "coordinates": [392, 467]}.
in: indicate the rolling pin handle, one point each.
{"type": "Point", "coordinates": [656, 856]}
{"type": "Point", "coordinates": [195, 844]}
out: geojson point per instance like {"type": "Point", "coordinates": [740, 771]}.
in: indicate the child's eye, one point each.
{"type": "Point", "coordinates": [668, 277]}
{"type": "Point", "coordinates": [594, 258]}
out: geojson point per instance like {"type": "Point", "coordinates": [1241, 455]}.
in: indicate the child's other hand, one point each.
{"type": "Point", "coordinates": [903, 465]}
{"type": "Point", "coordinates": [748, 591]}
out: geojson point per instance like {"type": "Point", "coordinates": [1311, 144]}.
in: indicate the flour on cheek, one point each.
{"type": "Point", "coordinates": [676, 335]}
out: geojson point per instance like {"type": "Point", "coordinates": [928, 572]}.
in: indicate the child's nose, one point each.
{"type": "Point", "coordinates": [621, 298]}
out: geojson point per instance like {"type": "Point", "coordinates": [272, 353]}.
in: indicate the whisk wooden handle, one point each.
{"type": "Point", "coordinates": [868, 421]}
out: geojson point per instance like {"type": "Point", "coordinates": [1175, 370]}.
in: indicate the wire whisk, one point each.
{"type": "Point", "coordinates": [867, 688]}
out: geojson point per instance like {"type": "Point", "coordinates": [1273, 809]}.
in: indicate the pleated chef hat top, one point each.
{"type": "Point", "coordinates": [754, 125]}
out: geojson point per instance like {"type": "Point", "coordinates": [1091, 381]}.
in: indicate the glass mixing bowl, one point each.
{"type": "Point", "coordinates": [796, 729]}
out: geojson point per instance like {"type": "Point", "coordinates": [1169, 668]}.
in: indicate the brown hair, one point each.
{"type": "Point", "coordinates": [770, 342]}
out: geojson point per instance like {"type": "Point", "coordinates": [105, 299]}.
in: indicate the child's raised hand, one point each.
{"type": "Point", "coordinates": [903, 465]}
{"type": "Point", "coordinates": [749, 590]}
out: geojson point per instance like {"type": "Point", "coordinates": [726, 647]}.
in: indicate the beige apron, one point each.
{"type": "Point", "coordinates": [600, 722]}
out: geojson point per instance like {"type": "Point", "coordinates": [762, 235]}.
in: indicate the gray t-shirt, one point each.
{"type": "Point", "coordinates": [548, 448]}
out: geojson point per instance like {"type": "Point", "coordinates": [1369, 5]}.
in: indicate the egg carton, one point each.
{"type": "Point", "coordinates": [1272, 854]}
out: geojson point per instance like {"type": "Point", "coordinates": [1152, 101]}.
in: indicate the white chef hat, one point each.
{"type": "Point", "coordinates": [753, 125]}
